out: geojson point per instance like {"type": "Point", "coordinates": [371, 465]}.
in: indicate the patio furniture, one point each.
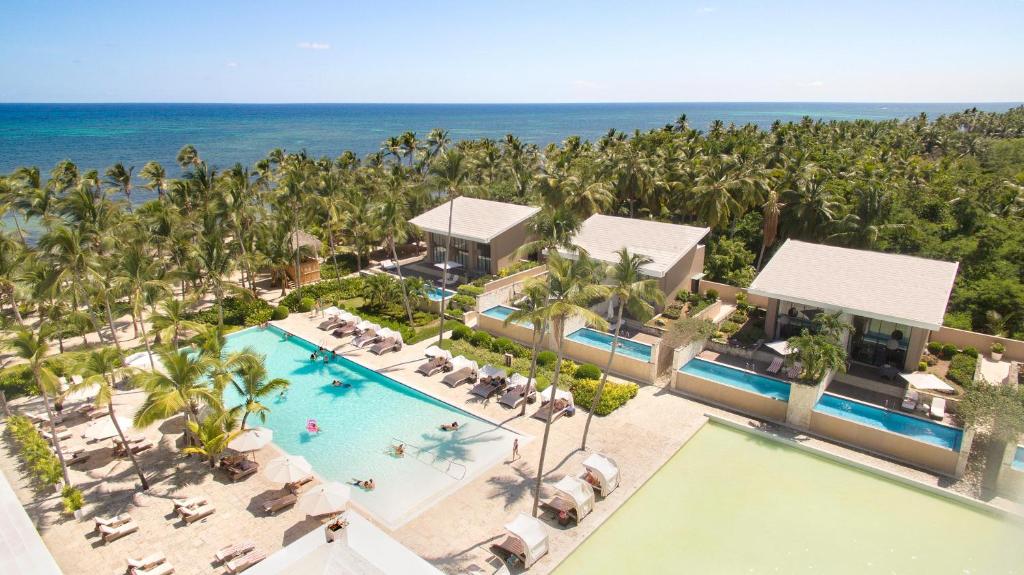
{"type": "Point", "coordinates": [463, 370]}
{"type": "Point", "coordinates": [368, 336]}
{"type": "Point", "coordinates": [164, 568]}
{"type": "Point", "coordinates": [231, 551]}
{"type": "Point", "coordinates": [192, 514]}
{"type": "Point", "coordinates": [242, 469]}
{"type": "Point", "coordinates": [519, 390]}
{"type": "Point", "coordinates": [242, 563]}
{"type": "Point", "coordinates": [563, 403]}
{"type": "Point", "coordinates": [910, 400]}
{"type": "Point", "coordinates": [112, 533]}
{"type": "Point", "coordinates": [937, 409]}
{"type": "Point", "coordinates": [602, 472]}
{"type": "Point", "coordinates": [76, 457]}
{"type": "Point", "coordinates": [794, 371]}
{"type": "Point", "coordinates": [390, 340]}
{"type": "Point", "coordinates": [433, 365]}
{"type": "Point", "coordinates": [272, 507]}
{"type": "Point", "coordinates": [147, 562]}
{"type": "Point", "coordinates": [296, 486]}
{"type": "Point", "coordinates": [348, 328]}
{"type": "Point", "coordinates": [527, 539]}
{"type": "Point", "coordinates": [776, 365]}
{"type": "Point", "coordinates": [135, 447]}
{"type": "Point", "coordinates": [495, 566]}
{"type": "Point", "coordinates": [111, 521]}
{"type": "Point", "coordinates": [573, 497]}
{"type": "Point", "coordinates": [490, 373]}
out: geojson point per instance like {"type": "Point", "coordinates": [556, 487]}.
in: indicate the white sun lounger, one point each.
{"type": "Point", "coordinates": [242, 563]}
{"type": "Point", "coordinates": [147, 562]}
{"type": "Point", "coordinates": [231, 551]}
{"type": "Point", "coordinates": [910, 400]}
{"type": "Point", "coordinates": [561, 396]}
{"type": "Point", "coordinates": [518, 391]}
{"type": "Point", "coordinates": [938, 408]}
{"type": "Point", "coordinates": [776, 365]}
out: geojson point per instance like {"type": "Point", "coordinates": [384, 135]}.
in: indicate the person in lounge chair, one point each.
{"type": "Point", "coordinates": [450, 426]}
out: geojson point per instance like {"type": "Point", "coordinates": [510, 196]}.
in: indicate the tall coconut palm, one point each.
{"type": "Point", "coordinates": [99, 368]}
{"type": "Point", "coordinates": [156, 177]}
{"type": "Point", "coordinates": [181, 387]}
{"type": "Point", "coordinates": [74, 264]}
{"type": "Point", "coordinates": [33, 347]}
{"type": "Point", "coordinates": [138, 276]}
{"type": "Point", "coordinates": [769, 223]}
{"type": "Point", "coordinates": [169, 321]}
{"type": "Point", "coordinates": [252, 385]}
{"type": "Point", "coordinates": [391, 216]}
{"type": "Point", "coordinates": [120, 177]}
{"type": "Point", "coordinates": [534, 297]}
{"type": "Point", "coordinates": [630, 290]}
{"type": "Point", "coordinates": [12, 257]}
{"type": "Point", "coordinates": [567, 291]}
{"type": "Point", "coordinates": [450, 173]}
{"type": "Point", "coordinates": [213, 434]}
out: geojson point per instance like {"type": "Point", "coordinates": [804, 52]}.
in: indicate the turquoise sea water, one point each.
{"type": "Point", "coordinates": [745, 380]}
{"type": "Point", "coordinates": [913, 427]}
{"type": "Point", "coordinates": [360, 423]}
{"type": "Point", "coordinates": [627, 347]}
{"type": "Point", "coordinates": [98, 135]}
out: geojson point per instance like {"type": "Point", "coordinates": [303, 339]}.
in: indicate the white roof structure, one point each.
{"type": "Point", "coordinates": [579, 492]}
{"type": "Point", "coordinates": [21, 547]}
{"type": "Point", "coordinates": [927, 382]}
{"type": "Point", "coordinates": [903, 289]}
{"type": "Point", "coordinates": [532, 533]}
{"type": "Point", "coordinates": [474, 219]}
{"type": "Point", "coordinates": [602, 236]}
{"type": "Point", "coordinates": [606, 470]}
{"type": "Point", "coordinates": [491, 371]}
{"type": "Point", "coordinates": [461, 362]}
{"type": "Point", "coordinates": [545, 395]}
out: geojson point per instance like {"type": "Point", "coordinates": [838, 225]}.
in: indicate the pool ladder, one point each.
{"type": "Point", "coordinates": [449, 467]}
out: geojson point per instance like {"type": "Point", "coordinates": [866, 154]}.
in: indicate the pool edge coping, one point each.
{"type": "Point", "coordinates": [730, 407]}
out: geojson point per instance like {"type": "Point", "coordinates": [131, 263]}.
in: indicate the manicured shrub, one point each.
{"type": "Point", "coordinates": [16, 381]}
{"type": "Point", "coordinates": [961, 369]}
{"type": "Point", "coordinates": [673, 311]}
{"type": "Point", "coordinates": [546, 358]}
{"type": "Point", "coordinates": [72, 499]}
{"type": "Point", "coordinates": [543, 382]}
{"type": "Point", "coordinates": [517, 267]}
{"type": "Point", "coordinates": [470, 290]}
{"type": "Point", "coordinates": [568, 367]}
{"type": "Point", "coordinates": [588, 371]}
{"type": "Point", "coordinates": [948, 351]}
{"type": "Point", "coordinates": [922, 366]}
{"type": "Point", "coordinates": [614, 395]}
{"type": "Point", "coordinates": [35, 451]}
{"type": "Point", "coordinates": [464, 302]}
{"type": "Point", "coordinates": [935, 347]}
{"type": "Point", "coordinates": [730, 327]}
{"type": "Point", "coordinates": [281, 312]}
{"type": "Point", "coordinates": [520, 350]}
{"type": "Point", "coordinates": [461, 331]}
{"type": "Point", "coordinates": [711, 295]}
{"type": "Point", "coordinates": [306, 304]}
{"type": "Point", "coordinates": [503, 345]}
{"type": "Point", "coordinates": [970, 351]}
{"type": "Point", "coordinates": [481, 339]}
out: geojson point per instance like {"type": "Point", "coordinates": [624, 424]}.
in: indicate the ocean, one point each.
{"type": "Point", "coordinates": [98, 135]}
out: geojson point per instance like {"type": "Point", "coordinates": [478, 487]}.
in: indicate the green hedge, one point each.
{"type": "Point", "coordinates": [16, 381]}
{"type": "Point", "coordinates": [961, 369]}
{"type": "Point", "coordinates": [588, 371]}
{"type": "Point", "coordinates": [546, 358]}
{"type": "Point", "coordinates": [281, 312]}
{"type": "Point", "coordinates": [614, 396]}
{"type": "Point", "coordinates": [470, 290]}
{"type": "Point", "coordinates": [236, 312]}
{"type": "Point", "coordinates": [306, 304]}
{"type": "Point", "coordinates": [330, 292]}
{"type": "Point", "coordinates": [520, 266]}
{"type": "Point", "coordinates": [35, 451]}
{"type": "Point", "coordinates": [428, 332]}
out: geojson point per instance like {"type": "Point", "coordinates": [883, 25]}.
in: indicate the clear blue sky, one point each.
{"type": "Point", "coordinates": [523, 51]}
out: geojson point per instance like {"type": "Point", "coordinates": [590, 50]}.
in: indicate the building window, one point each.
{"type": "Point", "coordinates": [438, 254]}
{"type": "Point", "coordinates": [793, 318]}
{"type": "Point", "coordinates": [483, 257]}
{"type": "Point", "coordinates": [878, 342]}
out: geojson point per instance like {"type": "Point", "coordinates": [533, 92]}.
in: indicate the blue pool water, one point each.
{"type": "Point", "coordinates": [1018, 458]}
{"type": "Point", "coordinates": [434, 294]}
{"type": "Point", "coordinates": [499, 312]}
{"type": "Point", "coordinates": [912, 427]}
{"type": "Point", "coordinates": [360, 423]}
{"type": "Point", "coordinates": [602, 340]}
{"type": "Point", "coordinates": [738, 378]}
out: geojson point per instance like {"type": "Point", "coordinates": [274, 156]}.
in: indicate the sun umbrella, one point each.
{"type": "Point", "coordinates": [325, 498]}
{"type": "Point", "coordinates": [448, 265]}
{"type": "Point", "coordinates": [252, 439]}
{"type": "Point", "coordinates": [287, 469]}
{"type": "Point", "coordinates": [103, 428]}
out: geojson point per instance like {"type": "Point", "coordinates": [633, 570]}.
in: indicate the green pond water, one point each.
{"type": "Point", "coordinates": [733, 502]}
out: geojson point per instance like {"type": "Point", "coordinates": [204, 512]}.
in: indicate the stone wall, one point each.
{"type": "Point", "coordinates": [729, 397]}
{"type": "Point", "coordinates": [979, 341]}
{"type": "Point", "coordinates": [1010, 482]}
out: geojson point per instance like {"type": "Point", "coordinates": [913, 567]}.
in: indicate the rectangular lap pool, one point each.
{"type": "Point", "coordinates": [871, 416]}
{"type": "Point", "coordinates": [359, 424]}
{"type": "Point", "coordinates": [738, 378]}
{"type": "Point", "coordinates": [435, 293]}
{"type": "Point", "coordinates": [733, 502]}
{"type": "Point", "coordinates": [601, 340]}
{"type": "Point", "coordinates": [1018, 459]}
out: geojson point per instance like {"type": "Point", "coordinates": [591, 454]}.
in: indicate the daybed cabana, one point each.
{"type": "Point", "coordinates": [602, 472]}
{"type": "Point", "coordinates": [573, 497]}
{"type": "Point", "coordinates": [563, 402]}
{"type": "Point", "coordinates": [527, 539]}
{"type": "Point", "coordinates": [519, 390]}
{"type": "Point", "coordinates": [463, 370]}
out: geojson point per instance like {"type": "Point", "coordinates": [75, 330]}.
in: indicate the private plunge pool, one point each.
{"type": "Point", "coordinates": [1018, 458]}
{"type": "Point", "coordinates": [601, 340]}
{"type": "Point", "coordinates": [501, 313]}
{"type": "Point", "coordinates": [738, 378]}
{"type": "Point", "coordinates": [891, 421]}
{"type": "Point", "coordinates": [435, 293]}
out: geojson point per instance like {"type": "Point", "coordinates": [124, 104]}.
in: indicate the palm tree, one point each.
{"type": "Point", "coordinates": [33, 348]}
{"type": "Point", "coordinates": [74, 263]}
{"type": "Point", "coordinates": [213, 434]}
{"type": "Point", "coordinates": [12, 258]}
{"type": "Point", "coordinates": [392, 219]}
{"type": "Point", "coordinates": [769, 223]}
{"type": "Point", "coordinates": [450, 174]}
{"type": "Point", "coordinates": [138, 277]}
{"type": "Point", "coordinates": [534, 297]}
{"type": "Point", "coordinates": [567, 291]}
{"type": "Point", "coordinates": [121, 178]}
{"type": "Point", "coordinates": [253, 386]}
{"type": "Point", "coordinates": [631, 290]}
{"type": "Point", "coordinates": [182, 387]}
{"type": "Point", "coordinates": [169, 321]}
{"type": "Point", "coordinates": [99, 368]}
{"type": "Point", "coordinates": [156, 176]}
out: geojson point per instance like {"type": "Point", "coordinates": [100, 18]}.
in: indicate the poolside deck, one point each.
{"type": "Point", "coordinates": [452, 534]}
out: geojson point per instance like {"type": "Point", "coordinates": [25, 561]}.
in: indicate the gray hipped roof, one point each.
{"type": "Point", "coordinates": [602, 236]}
{"type": "Point", "coordinates": [474, 219]}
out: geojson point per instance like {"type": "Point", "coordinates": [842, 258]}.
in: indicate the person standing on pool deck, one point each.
{"type": "Point", "coordinates": [515, 449]}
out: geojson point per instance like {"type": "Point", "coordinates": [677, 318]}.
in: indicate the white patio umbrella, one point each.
{"type": "Point", "coordinates": [287, 469]}
{"type": "Point", "coordinates": [252, 439]}
{"type": "Point", "coordinates": [325, 498]}
{"type": "Point", "coordinates": [434, 351]}
{"type": "Point", "coordinates": [103, 428]}
{"type": "Point", "coordinates": [448, 265]}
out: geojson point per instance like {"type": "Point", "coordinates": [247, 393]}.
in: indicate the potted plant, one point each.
{"type": "Point", "coordinates": [997, 350]}
{"type": "Point", "coordinates": [336, 530]}
{"type": "Point", "coordinates": [73, 501]}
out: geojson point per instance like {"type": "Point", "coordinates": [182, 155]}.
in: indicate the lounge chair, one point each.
{"type": "Point", "coordinates": [161, 569]}
{"type": "Point", "coordinates": [193, 514]}
{"type": "Point", "coordinates": [190, 503]}
{"type": "Point", "coordinates": [938, 408]}
{"type": "Point", "coordinates": [486, 389]}
{"type": "Point", "coordinates": [147, 562]}
{"type": "Point", "coordinates": [118, 531]}
{"type": "Point", "coordinates": [119, 449]}
{"type": "Point", "coordinates": [561, 406]}
{"type": "Point", "coordinates": [794, 371]}
{"type": "Point", "coordinates": [463, 370]}
{"type": "Point", "coordinates": [518, 391]}
{"type": "Point", "coordinates": [390, 340]}
{"type": "Point", "coordinates": [242, 469]}
{"type": "Point", "coordinates": [272, 507]}
{"type": "Point", "coordinates": [527, 539]}
{"type": "Point", "coordinates": [246, 561]}
{"type": "Point", "coordinates": [77, 457]}
{"type": "Point", "coordinates": [296, 486]}
{"type": "Point", "coordinates": [97, 412]}
{"type": "Point", "coordinates": [111, 521]}
{"type": "Point", "coordinates": [489, 373]}
{"type": "Point", "coordinates": [776, 365]}
{"type": "Point", "coordinates": [432, 366]}
{"type": "Point", "coordinates": [66, 434]}
{"type": "Point", "coordinates": [348, 328]}
{"type": "Point", "coordinates": [910, 400]}
{"type": "Point", "coordinates": [231, 551]}
{"type": "Point", "coordinates": [367, 338]}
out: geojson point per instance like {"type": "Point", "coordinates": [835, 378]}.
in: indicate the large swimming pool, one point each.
{"type": "Point", "coordinates": [738, 378]}
{"type": "Point", "coordinates": [599, 339]}
{"type": "Point", "coordinates": [361, 422]}
{"type": "Point", "coordinates": [732, 502]}
{"type": "Point", "coordinates": [912, 427]}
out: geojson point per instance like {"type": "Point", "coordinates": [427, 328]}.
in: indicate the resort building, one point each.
{"type": "Point", "coordinates": [485, 234]}
{"type": "Point", "coordinates": [309, 260]}
{"type": "Point", "coordinates": [675, 250]}
{"type": "Point", "coordinates": [892, 301]}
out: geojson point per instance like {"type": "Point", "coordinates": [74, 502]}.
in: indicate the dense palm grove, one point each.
{"type": "Point", "coordinates": [80, 250]}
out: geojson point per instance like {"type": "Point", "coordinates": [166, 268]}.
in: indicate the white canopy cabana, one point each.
{"type": "Point", "coordinates": [333, 310]}
{"type": "Point", "coordinates": [434, 351]}
{"type": "Point", "coordinates": [461, 362]}
{"type": "Point", "coordinates": [489, 371]}
{"type": "Point", "coordinates": [545, 396]}
{"type": "Point", "coordinates": [577, 491]}
{"type": "Point", "coordinates": [533, 536]}
{"type": "Point", "coordinates": [781, 347]}
{"type": "Point", "coordinates": [605, 470]}
{"type": "Point", "coordinates": [927, 382]}
{"type": "Point", "coordinates": [518, 379]}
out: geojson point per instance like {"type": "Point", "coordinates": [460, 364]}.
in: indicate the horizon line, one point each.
{"type": "Point", "coordinates": [529, 103]}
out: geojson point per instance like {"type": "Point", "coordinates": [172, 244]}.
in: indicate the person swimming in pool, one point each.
{"type": "Point", "coordinates": [312, 356]}
{"type": "Point", "coordinates": [450, 426]}
{"type": "Point", "coordinates": [368, 485]}
{"type": "Point", "coordinates": [399, 450]}
{"type": "Point", "coordinates": [336, 383]}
